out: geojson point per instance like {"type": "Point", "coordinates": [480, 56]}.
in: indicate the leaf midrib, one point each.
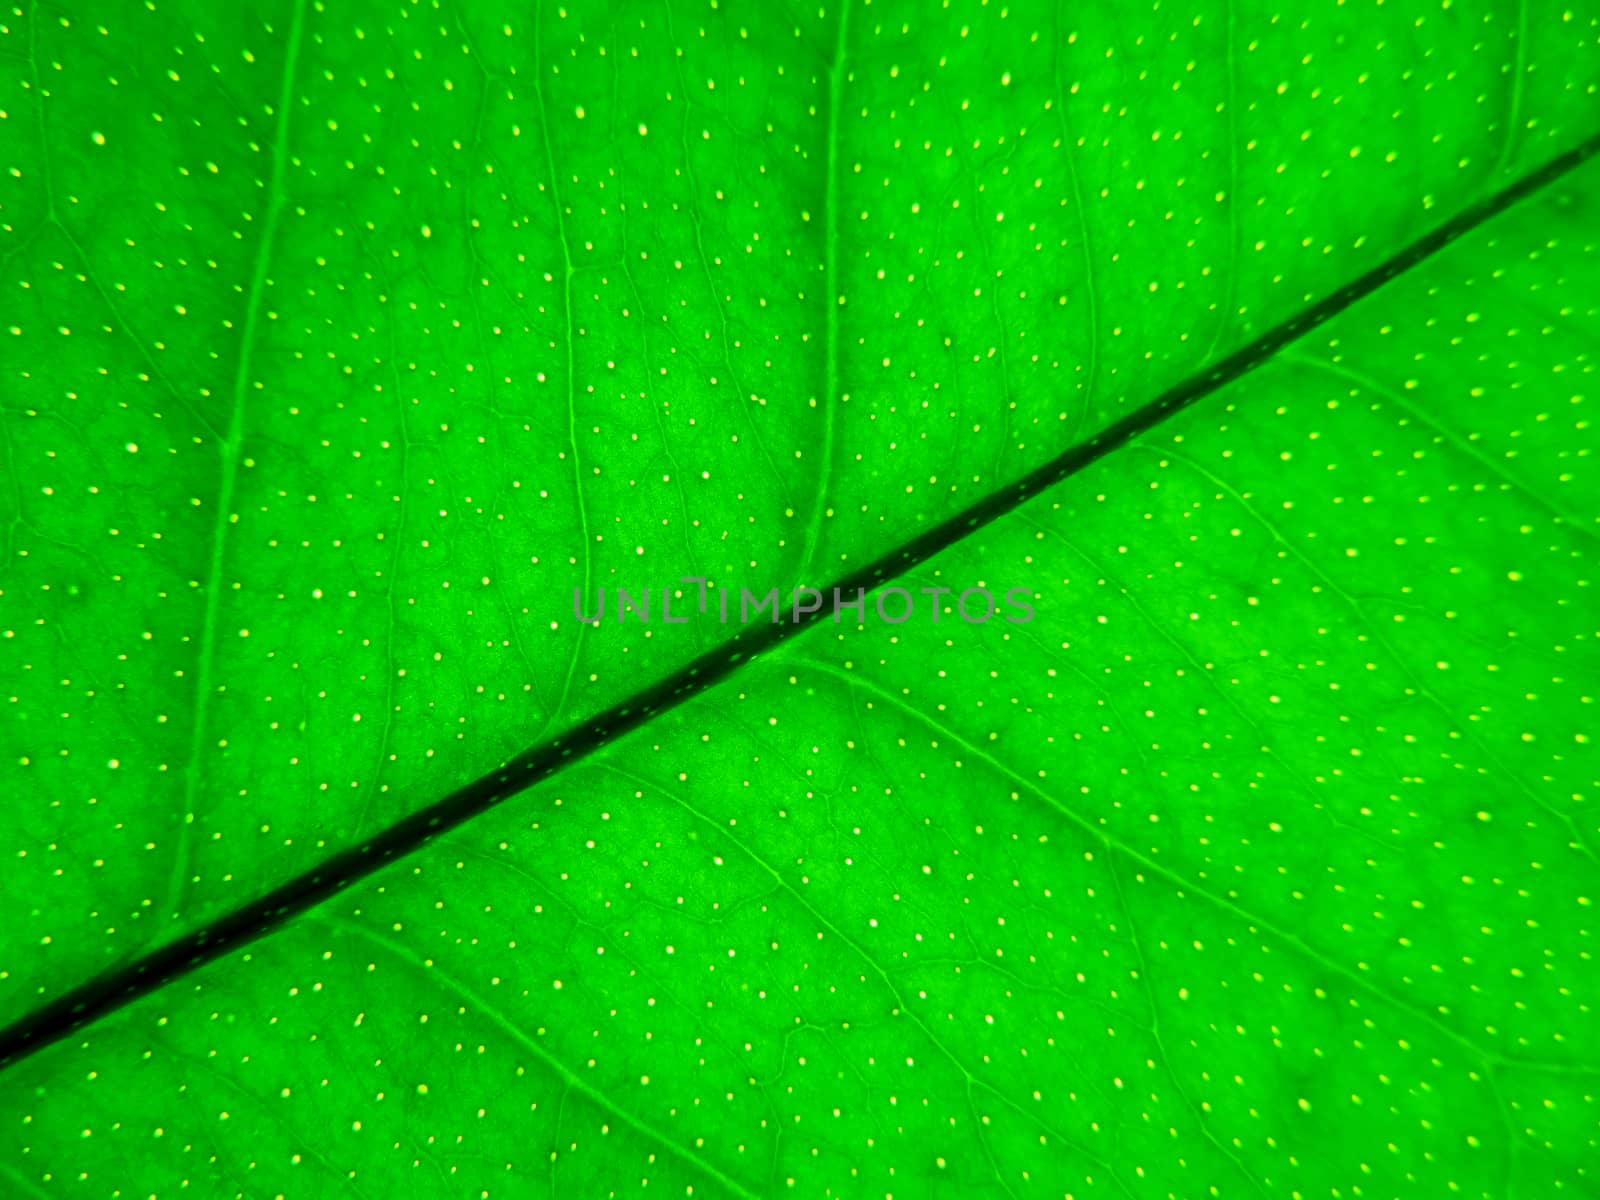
{"type": "Point", "coordinates": [122, 985]}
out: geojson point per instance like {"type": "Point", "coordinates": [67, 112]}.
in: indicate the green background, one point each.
{"type": "Point", "coordinates": [342, 341]}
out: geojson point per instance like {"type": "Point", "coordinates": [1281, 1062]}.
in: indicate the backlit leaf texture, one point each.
{"type": "Point", "coordinates": [342, 342]}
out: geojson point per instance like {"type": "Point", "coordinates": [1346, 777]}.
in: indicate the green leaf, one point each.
{"type": "Point", "coordinates": [1259, 862]}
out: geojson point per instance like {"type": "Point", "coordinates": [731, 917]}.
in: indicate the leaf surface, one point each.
{"type": "Point", "coordinates": [1268, 833]}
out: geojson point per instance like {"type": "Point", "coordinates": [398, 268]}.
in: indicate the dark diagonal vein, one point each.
{"type": "Point", "coordinates": [121, 986]}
